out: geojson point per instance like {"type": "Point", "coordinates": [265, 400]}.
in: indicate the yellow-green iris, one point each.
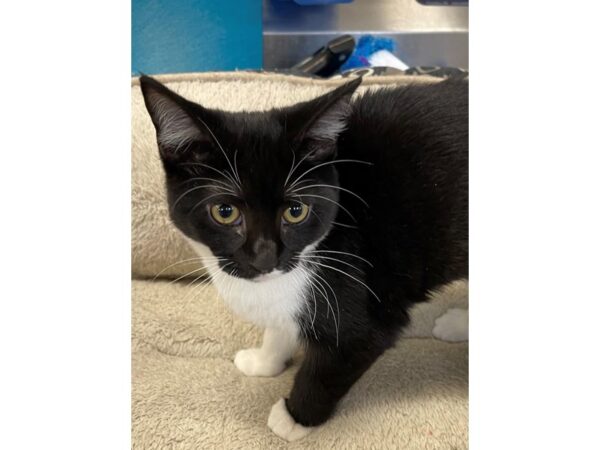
{"type": "Point", "coordinates": [225, 214]}
{"type": "Point", "coordinates": [295, 213]}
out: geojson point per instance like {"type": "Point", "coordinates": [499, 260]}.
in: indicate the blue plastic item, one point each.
{"type": "Point", "coordinates": [367, 45]}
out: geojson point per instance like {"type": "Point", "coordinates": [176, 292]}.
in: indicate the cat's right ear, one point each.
{"type": "Point", "coordinates": [316, 124]}
{"type": "Point", "coordinates": [176, 120]}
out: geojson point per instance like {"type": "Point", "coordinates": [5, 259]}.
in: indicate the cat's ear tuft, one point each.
{"type": "Point", "coordinates": [327, 119]}
{"type": "Point", "coordinates": [172, 117]}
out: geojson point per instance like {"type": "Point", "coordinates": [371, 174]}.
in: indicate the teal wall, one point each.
{"type": "Point", "coordinates": [174, 36]}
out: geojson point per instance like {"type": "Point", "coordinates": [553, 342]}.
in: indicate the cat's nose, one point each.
{"type": "Point", "coordinates": [264, 265]}
{"type": "Point", "coordinates": [265, 255]}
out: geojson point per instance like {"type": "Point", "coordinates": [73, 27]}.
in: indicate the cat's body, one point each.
{"type": "Point", "coordinates": [383, 182]}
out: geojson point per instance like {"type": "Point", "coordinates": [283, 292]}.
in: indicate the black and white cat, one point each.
{"type": "Point", "coordinates": [323, 222]}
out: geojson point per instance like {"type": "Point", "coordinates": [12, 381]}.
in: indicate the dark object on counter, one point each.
{"type": "Point", "coordinates": [328, 59]}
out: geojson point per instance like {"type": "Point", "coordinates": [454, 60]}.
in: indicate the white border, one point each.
{"type": "Point", "coordinates": [65, 258]}
{"type": "Point", "coordinates": [535, 202]}
{"type": "Point", "coordinates": [65, 319]}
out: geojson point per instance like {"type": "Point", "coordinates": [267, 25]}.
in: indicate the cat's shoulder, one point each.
{"type": "Point", "coordinates": [450, 90]}
{"type": "Point", "coordinates": [412, 101]}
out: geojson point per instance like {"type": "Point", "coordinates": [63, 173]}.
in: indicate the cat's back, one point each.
{"type": "Point", "coordinates": [415, 131]}
{"type": "Point", "coordinates": [416, 138]}
{"type": "Point", "coordinates": [427, 113]}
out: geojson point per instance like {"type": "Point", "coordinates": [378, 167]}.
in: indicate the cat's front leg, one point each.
{"type": "Point", "coordinates": [323, 379]}
{"type": "Point", "coordinates": [270, 359]}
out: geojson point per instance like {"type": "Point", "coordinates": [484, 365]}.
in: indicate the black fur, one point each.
{"type": "Point", "coordinates": [410, 239]}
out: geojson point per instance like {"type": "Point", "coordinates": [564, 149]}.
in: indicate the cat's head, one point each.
{"type": "Point", "coordinates": [256, 188]}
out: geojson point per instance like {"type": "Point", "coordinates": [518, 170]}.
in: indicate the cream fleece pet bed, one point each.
{"type": "Point", "coordinates": [186, 392]}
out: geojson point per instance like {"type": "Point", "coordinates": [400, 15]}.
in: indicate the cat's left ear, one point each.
{"type": "Point", "coordinates": [319, 122]}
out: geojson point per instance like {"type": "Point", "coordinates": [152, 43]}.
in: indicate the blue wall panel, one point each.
{"type": "Point", "coordinates": [174, 36]}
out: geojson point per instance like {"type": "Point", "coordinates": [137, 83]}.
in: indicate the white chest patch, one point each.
{"type": "Point", "coordinates": [272, 301]}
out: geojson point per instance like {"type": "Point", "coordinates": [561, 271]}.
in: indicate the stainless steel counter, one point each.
{"type": "Point", "coordinates": [425, 35]}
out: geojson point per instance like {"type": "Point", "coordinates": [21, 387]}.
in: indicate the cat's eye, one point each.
{"type": "Point", "coordinates": [295, 213]}
{"type": "Point", "coordinates": [225, 214]}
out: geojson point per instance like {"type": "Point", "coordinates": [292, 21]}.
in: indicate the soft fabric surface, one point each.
{"type": "Point", "coordinates": [187, 394]}
{"type": "Point", "coordinates": [155, 242]}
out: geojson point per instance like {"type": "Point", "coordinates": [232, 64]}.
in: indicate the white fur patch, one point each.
{"type": "Point", "coordinates": [274, 302]}
{"type": "Point", "coordinates": [453, 326]}
{"type": "Point", "coordinates": [283, 425]}
{"type": "Point", "coordinates": [253, 362]}
{"type": "Point", "coordinates": [270, 359]}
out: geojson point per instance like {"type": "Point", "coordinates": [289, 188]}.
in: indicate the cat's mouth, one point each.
{"type": "Point", "coordinates": [267, 276]}
{"type": "Point", "coordinates": [253, 275]}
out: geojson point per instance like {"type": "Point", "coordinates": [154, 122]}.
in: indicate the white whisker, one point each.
{"type": "Point", "coordinates": [344, 225]}
{"type": "Point", "coordinates": [195, 188]}
{"type": "Point", "coordinates": [210, 279]}
{"type": "Point", "coordinates": [312, 211]}
{"type": "Point", "coordinates": [325, 164]}
{"type": "Point", "coordinates": [236, 173]}
{"type": "Point", "coordinates": [221, 148]}
{"type": "Point", "coordinates": [322, 290]}
{"type": "Point", "coordinates": [202, 285]}
{"type": "Point", "coordinates": [332, 259]}
{"type": "Point", "coordinates": [176, 263]}
{"type": "Point", "coordinates": [332, 187]}
{"type": "Point", "coordinates": [341, 253]}
{"type": "Point", "coordinates": [204, 267]}
{"type": "Point", "coordinates": [348, 275]}
{"type": "Point", "coordinates": [186, 303]}
{"type": "Point", "coordinates": [224, 174]}
{"type": "Point", "coordinates": [314, 299]}
{"type": "Point", "coordinates": [294, 167]}
{"type": "Point", "coordinates": [214, 180]}
{"type": "Point", "coordinates": [208, 198]}
{"type": "Point", "coordinates": [300, 183]}
{"type": "Point", "coordinates": [329, 200]}
{"type": "Point", "coordinates": [335, 320]}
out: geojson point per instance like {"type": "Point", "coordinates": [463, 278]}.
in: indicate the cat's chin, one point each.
{"type": "Point", "coordinates": [267, 276]}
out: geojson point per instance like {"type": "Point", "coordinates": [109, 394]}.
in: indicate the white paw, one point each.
{"type": "Point", "coordinates": [254, 362]}
{"type": "Point", "coordinates": [452, 326]}
{"type": "Point", "coordinates": [282, 424]}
